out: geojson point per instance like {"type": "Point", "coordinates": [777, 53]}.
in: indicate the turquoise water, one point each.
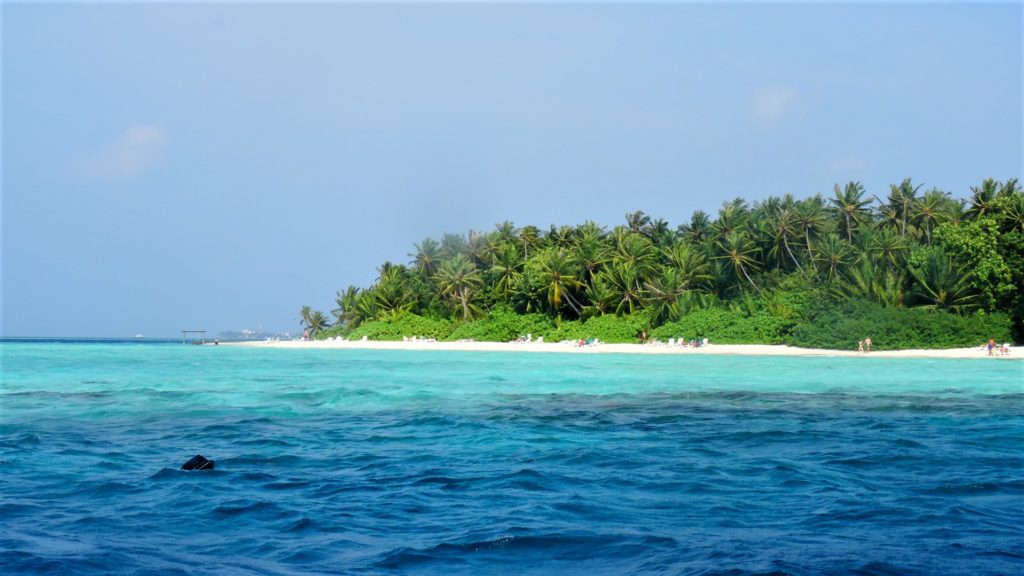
{"type": "Point", "coordinates": [367, 462]}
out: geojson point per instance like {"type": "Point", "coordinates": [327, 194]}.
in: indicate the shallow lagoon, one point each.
{"type": "Point", "coordinates": [445, 462]}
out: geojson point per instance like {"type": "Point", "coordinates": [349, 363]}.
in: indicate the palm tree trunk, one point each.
{"type": "Point", "coordinates": [744, 270]}
{"type": "Point", "coordinates": [810, 251]}
{"type": "Point", "coordinates": [791, 256]}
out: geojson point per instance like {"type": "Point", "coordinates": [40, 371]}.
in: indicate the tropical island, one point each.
{"type": "Point", "coordinates": [916, 270]}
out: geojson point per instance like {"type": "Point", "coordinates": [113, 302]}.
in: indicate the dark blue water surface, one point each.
{"type": "Point", "coordinates": [376, 462]}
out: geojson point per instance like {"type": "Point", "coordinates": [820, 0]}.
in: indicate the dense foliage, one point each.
{"type": "Point", "coordinates": [917, 269]}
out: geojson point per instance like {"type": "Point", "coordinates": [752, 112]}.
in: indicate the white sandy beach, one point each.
{"type": "Point", "coordinates": [734, 349]}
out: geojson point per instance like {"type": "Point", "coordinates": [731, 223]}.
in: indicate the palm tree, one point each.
{"type": "Point", "coordinates": [458, 280]}
{"type": "Point", "coordinates": [506, 269]}
{"type": "Point", "coordinates": [901, 201]}
{"type": "Point", "coordinates": [346, 302]}
{"type": "Point", "coordinates": [698, 230]}
{"type": "Point", "coordinates": [694, 272]}
{"type": "Point", "coordinates": [932, 209]}
{"type": "Point", "coordinates": [740, 251]}
{"type": "Point", "coordinates": [592, 253]}
{"type": "Point", "coordinates": [810, 219]}
{"type": "Point", "coordinates": [659, 232]}
{"type": "Point", "coordinates": [560, 237]}
{"type": "Point", "coordinates": [427, 255]}
{"type": "Point", "coordinates": [452, 245]}
{"type": "Point", "coordinates": [983, 198]}
{"type": "Point", "coordinates": [850, 204]}
{"type": "Point", "coordinates": [529, 236]}
{"type": "Point", "coordinates": [663, 294]}
{"type": "Point", "coordinates": [1013, 213]}
{"type": "Point", "coordinates": [639, 253]}
{"type": "Point", "coordinates": [731, 217]}
{"type": "Point", "coordinates": [558, 272]}
{"type": "Point", "coordinates": [305, 316]}
{"type": "Point", "coordinates": [637, 221]}
{"type": "Point", "coordinates": [834, 254]}
{"type": "Point", "coordinates": [887, 247]}
{"type": "Point", "coordinates": [392, 292]}
{"type": "Point", "coordinates": [619, 281]}
{"type": "Point", "coordinates": [317, 322]}
{"type": "Point", "coordinates": [943, 283]}
{"type": "Point", "coordinates": [782, 226]}
{"type": "Point", "coordinates": [869, 281]}
{"type": "Point", "coordinates": [505, 232]}
{"type": "Point", "coordinates": [479, 248]}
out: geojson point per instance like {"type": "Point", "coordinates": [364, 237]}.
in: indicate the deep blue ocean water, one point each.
{"type": "Point", "coordinates": [377, 462]}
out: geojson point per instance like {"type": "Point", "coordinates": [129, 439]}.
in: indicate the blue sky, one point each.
{"type": "Point", "coordinates": [217, 166]}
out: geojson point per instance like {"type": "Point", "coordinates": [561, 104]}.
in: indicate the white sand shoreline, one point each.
{"type": "Point", "coordinates": [710, 349]}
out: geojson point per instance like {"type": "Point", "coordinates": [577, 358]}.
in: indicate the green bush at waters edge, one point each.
{"type": "Point", "coordinates": [723, 326]}
{"type": "Point", "coordinates": [502, 325]}
{"type": "Point", "coordinates": [842, 326]}
{"type": "Point", "coordinates": [832, 326]}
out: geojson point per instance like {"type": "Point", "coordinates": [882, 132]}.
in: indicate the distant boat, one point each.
{"type": "Point", "coordinates": [139, 336]}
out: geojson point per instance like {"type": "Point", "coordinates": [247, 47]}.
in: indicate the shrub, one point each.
{"type": "Point", "coordinates": [608, 328]}
{"type": "Point", "coordinates": [501, 325]}
{"type": "Point", "coordinates": [841, 326]}
{"type": "Point", "coordinates": [722, 326]}
{"type": "Point", "coordinates": [403, 326]}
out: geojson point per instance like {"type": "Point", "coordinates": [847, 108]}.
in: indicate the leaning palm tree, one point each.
{"type": "Point", "coordinates": [458, 280]}
{"type": "Point", "coordinates": [305, 316]}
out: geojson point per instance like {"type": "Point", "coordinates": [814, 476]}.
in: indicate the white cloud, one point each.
{"type": "Point", "coordinates": [135, 150]}
{"type": "Point", "coordinates": [771, 103]}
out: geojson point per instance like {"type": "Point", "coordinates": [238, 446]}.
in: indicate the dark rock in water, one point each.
{"type": "Point", "coordinates": [198, 463]}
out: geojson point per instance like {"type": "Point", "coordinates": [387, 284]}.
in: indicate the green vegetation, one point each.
{"type": "Point", "coordinates": [916, 270]}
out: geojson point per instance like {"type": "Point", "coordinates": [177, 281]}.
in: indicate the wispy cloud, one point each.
{"type": "Point", "coordinates": [128, 156]}
{"type": "Point", "coordinates": [770, 104]}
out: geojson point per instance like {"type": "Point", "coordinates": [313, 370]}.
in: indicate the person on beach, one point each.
{"type": "Point", "coordinates": [991, 346]}
{"type": "Point", "coordinates": [867, 344]}
{"type": "Point", "coordinates": [860, 346]}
